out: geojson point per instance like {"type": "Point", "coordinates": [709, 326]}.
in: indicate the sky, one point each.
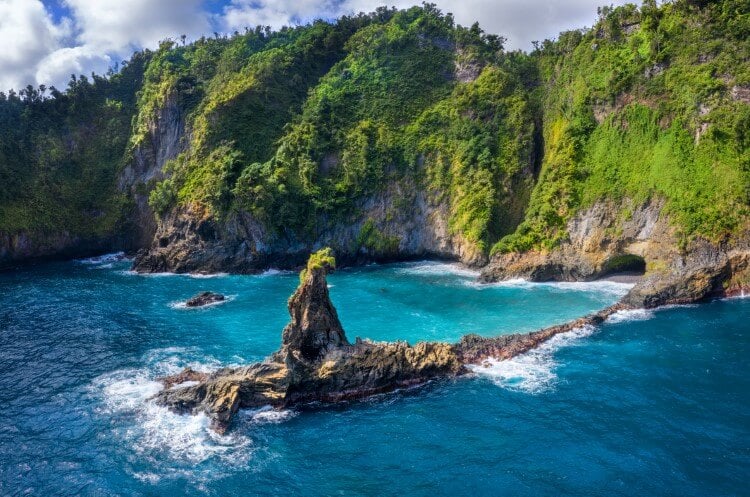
{"type": "Point", "coordinates": [45, 41]}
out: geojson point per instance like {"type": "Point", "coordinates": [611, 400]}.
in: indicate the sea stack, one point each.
{"type": "Point", "coordinates": [317, 363]}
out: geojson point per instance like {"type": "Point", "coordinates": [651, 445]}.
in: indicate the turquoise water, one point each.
{"type": "Point", "coordinates": [650, 403]}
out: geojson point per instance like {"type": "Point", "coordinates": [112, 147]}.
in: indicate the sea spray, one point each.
{"type": "Point", "coordinates": [533, 371]}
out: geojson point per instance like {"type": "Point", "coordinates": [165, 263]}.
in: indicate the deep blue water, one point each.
{"type": "Point", "coordinates": [647, 404]}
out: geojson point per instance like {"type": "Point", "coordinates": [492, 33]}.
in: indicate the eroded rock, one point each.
{"type": "Point", "coordinates": [205, 298]}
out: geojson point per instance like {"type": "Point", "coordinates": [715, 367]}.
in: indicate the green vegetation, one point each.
{"type": "Point", "coordinates": [641, 106]}
{"type": "Point", "coordinates": [60, 153]}
{"type": "Point", "coordinates": [300, 127]}
{"type": "Point", "coordinates": [322, 259]}
{"type": "Point", "coordinates": [371, 238]}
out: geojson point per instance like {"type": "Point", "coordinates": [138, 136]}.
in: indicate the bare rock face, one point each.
{"type": "Point", "coordinates": [600, 241]}
{"type": "Point", "coordinates": [315, 328]}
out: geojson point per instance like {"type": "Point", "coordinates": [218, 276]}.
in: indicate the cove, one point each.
{"type": "Point", "coordinates": [83, 342]}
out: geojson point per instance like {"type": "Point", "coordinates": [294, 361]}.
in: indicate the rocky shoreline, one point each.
{"type": "Point", "coordinates": [317, 362]}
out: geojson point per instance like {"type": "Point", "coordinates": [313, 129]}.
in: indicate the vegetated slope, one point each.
{"type": "Point", "coordinates": [399, 134]}
{"type": "Point", "coordinates": [646, 153]}
{"type": "Point", "coordinates": [59, 157]}
{"type": "Point", "coordinates": [392, 135]}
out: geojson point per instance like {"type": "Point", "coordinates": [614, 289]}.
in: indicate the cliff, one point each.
{"type": "Point", "coordinates": [397, 135]}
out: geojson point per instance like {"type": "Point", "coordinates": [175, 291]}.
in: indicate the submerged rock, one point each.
{"type": "Point", "coordinates": [205, 298]}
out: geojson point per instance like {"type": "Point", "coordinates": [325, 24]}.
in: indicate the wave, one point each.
{"type": "Point", "coordinates": [534, 371]}
{"type": "Point", "coordinates": [104, 259]}
{"type": "Point", "coordinates": [266, 415]}
{"type": "Point", "coordinates": [627, 315]}
{"type": "Point", "coordinates": [181, 305]}
{"type": "Point", "coordinates": [615, 288]}
{"type": "Point", "coordinates": [173, 445]}
{"type": "Point", "coordinates": [438, 268]}
{"type": "Point", "coordinates": [275, 272]}
{"type": "Point", "coordinates": [130, 272]}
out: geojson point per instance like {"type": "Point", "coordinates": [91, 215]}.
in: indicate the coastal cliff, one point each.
{"type": "Point", "coordinates": [619, 148]}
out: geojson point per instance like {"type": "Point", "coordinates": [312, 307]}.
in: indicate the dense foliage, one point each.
{"type": "Point", "coordinates": [300, 126]}
{"type": "Point", "coordinates": [646, 104]}
{"type": "Point", "coordinates": [60, 153]}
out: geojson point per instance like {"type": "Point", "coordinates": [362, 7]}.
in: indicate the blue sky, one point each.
{"type": "Point", "coordinates": [45, 41]}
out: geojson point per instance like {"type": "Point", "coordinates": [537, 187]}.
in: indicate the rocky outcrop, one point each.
{"type": "Point", "coordinates": [401, 222]}
{"type": "Point", "coordinates": [602, 241]}
{"type": "Point", "coordinates": [205, 298]}
{"type": "Point", "coordinates": [317, 363]}
{"type": "Point", "coordinates": [473, 349]}
{"type": "Point", "coordinates": [705, 271]}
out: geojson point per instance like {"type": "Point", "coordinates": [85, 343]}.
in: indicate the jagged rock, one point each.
{"type": "Point", "coordinates": [705, 272]}
{"type": "Point", "coordinates": [317, 363]}
{"type": "Point", "coordinates": [187, 374]}
{"type": "Point", "coordinates": [205, 298]}
{"type": "Point", "coordinates": [315, 328]}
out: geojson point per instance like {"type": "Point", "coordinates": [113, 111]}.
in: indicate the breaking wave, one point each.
{"type": "Point", "coordinates": [170, 444]}
{"type": "Point", "coordinates": [534, 371]}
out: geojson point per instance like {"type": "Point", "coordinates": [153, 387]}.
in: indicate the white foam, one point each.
{"type": "Point", "coordinates": [614, 288]}
{"type": "Point", "coordinates": [534, 371]}
{"type": "Point", "coordinates": [268, 415]}
{"type": "Point", "coordinates": [130, 272]}
{"type": "Point", "coordinates": [103, 259]}
{"type": "Point", "coordinates": [627, 315]}
{"type": "Point", "coordinates": [206, 275]}
{"type": "Point", "coordinates": [438, 268]}
{"type": "Point", "coordinates": [182, 305]}
{"type": "Point", "coordinates": [275, 272]}
{"type": "Point", "coordinates": [174, 445]}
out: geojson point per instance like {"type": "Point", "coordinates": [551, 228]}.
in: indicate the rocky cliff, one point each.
{"type": "Point", "coordinates": [601, 241]}
{"type": "Point", "coordinates": [401, 222]}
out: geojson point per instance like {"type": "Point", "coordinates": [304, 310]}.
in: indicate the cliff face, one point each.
{"type": "Point", "coordinates": [163, 140]}
{"type": "Point", "coordinates": [399, 223]}
{"type": "Point", "coordinates": [602, 241]}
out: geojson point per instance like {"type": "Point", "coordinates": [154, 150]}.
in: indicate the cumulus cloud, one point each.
{"type": "Point", "coordinates": [28, 35]}
{"type": "Point", "coordinates": [94, 34]}
{"type": "Point", "coordinates": [116, 25]}
{"type": "Point", "coordinates": [520, 21]}
{"type": "Point", "coordinates": [38, 50]}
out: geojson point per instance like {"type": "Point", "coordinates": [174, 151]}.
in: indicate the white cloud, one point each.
{"type": "Point", "coordinates": [115, 25]}
{"type": "Point", "coordinates": [60, 64]}
{"type": "Point", "coordinates": [36, 49]}
{"type": "Point", "coordinates": [27, 36]}
{"type": "Point", "coordinates": [276, 13]}
{"type": "Point", "coordinates": [520, 21]}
